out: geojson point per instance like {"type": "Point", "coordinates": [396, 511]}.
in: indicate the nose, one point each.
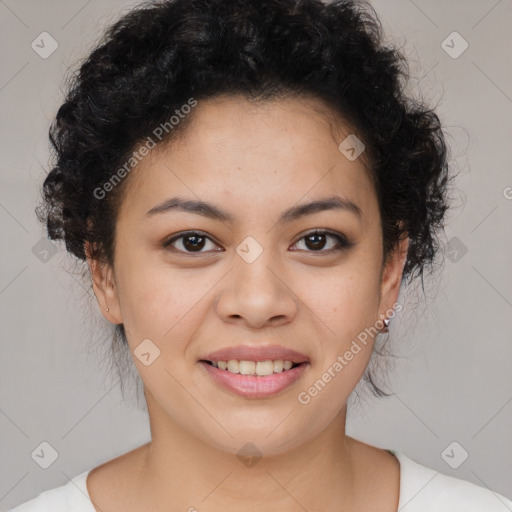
{"type": "Point", "coordinates": [257, 294]}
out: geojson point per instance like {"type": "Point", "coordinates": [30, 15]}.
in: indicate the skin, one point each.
{"type": "Point", "coordinates": [254, 161]}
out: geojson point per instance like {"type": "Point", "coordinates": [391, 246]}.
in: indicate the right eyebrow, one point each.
{"type": "Point", "coordinates": [198, 207]}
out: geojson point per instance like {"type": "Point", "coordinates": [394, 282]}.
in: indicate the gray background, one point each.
{"type": "Point", "coordinates": [452, 379]}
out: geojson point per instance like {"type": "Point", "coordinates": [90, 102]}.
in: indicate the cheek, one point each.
{"type": "Point", "coordinates": [345, 299]}
{"type": "Point", "coordinates": [160, 303]}
{"type": "Point", "coordinates": [345, 307]}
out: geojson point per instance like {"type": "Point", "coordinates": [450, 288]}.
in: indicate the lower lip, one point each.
{"type": "Point", "coordinates": [251, 386]}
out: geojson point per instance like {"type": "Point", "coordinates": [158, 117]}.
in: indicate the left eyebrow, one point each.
{"type": "Point", "coordinates": [330, 203]}
{"type": "Point", "coordinates": [216, 213]}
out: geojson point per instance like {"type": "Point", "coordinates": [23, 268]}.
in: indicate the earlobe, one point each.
{"type": "Point", "coordinates": [104, 287]}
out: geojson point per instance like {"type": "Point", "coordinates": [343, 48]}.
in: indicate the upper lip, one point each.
{"type": "Point", "coordinates": [257, 353]}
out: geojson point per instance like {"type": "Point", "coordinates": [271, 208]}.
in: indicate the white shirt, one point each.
{"type": "Point", "coordinates": [422, 489]}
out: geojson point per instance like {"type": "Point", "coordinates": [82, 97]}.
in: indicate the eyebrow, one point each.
{"type": "Point", "coordinates": [214, 212]}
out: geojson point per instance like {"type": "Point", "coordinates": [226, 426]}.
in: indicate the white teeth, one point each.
{"type": "Point", "coordinates": [247, 367]}
{"type": "Point", "coordinates": [278, 366]}
{"type": "Point", "coordinates": [233, 366]}
{"type": "Point", "coordinates": [264, 368]}
{"type": "Point", "coordinates": [260, 368]}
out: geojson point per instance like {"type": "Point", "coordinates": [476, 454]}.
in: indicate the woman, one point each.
{"type": "Point", "coordinates": [250, 186]}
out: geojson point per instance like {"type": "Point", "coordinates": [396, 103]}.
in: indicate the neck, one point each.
{"type": "Point", "coordinates": [183, 470]}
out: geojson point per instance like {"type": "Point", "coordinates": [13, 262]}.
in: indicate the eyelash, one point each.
{"type": "Point", "coordinates": [343, 243]}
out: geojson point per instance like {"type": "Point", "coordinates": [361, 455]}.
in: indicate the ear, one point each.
{"type": "Point", "coordinates": [104, 286]}
{"type": "Point", "coordinates": [392, 276]}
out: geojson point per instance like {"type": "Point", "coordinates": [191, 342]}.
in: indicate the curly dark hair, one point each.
{"type": "Point", "coordinates": [158, 55]}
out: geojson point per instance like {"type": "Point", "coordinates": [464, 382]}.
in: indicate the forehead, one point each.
{"type": "Point", "coordinates": [251, 153]}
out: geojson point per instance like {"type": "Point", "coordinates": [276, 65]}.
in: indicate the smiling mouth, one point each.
{"type": "Point", "coordinates": [254, 368]}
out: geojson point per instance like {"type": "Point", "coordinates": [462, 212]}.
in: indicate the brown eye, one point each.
{"type": "Point", "coordinates": [193, 242]}
{"type": "Point", "coordinates": [318, 240]}
{"type": "Point", "coordinates": [315, 241]}
{"type": "Point", "coordinates": [189, 242]}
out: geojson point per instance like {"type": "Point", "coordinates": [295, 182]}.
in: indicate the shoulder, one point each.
{"type": "Point", "coordinates": [72, 496]}
{"type": "Point", "coordinates": [423, 489]}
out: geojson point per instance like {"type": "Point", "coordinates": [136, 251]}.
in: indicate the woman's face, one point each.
{"type": "Point", "coordinates": [250, 278]}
